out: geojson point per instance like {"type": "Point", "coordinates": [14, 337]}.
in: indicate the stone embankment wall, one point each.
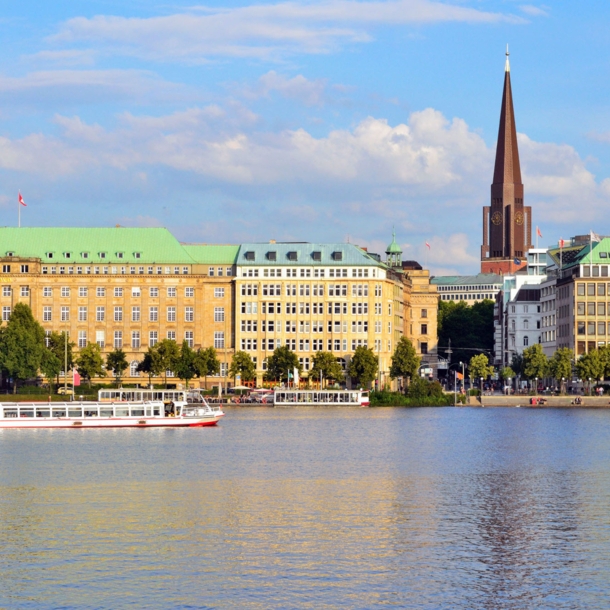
{"type": "Point", "coordinates": [599, 402]}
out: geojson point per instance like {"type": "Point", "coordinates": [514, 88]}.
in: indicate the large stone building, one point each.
{"type": "Point", "coordinates": [507, 223]}
{"type": "Point", "coordinates": [130, 288]}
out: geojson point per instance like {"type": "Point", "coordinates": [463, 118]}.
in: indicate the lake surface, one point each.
{"type": "Point", "coordinates": [312, 508]}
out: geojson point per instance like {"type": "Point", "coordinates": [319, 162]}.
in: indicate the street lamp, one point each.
{"type": "Point", "coordinates": [589, 386]}
{"type": "Point", "coordinates": [536, 390]}
{"type": "Point", "coordinates": [562, 385]}
{"type": "Point", "coordinates": [481, 386]}
{"type": "Point", "coordinates": [508, 386]}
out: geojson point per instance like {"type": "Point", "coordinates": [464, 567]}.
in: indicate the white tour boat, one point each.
{"type": "Point", "coordinates": [320, 398]}
{"type": "Point", "coordinates": [107, 415]}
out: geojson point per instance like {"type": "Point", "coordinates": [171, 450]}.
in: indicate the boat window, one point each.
{"type": "Point", "coordinates": [72, 412]}
{"type": "Point", "coordinates": [105, 411]}
{"type": "Point", "coordinates": [26, 412]}
{"type": "Point", "coordinates": [59, 412]}
{"type": "Point", "coordinates": [10, 412]}
{"type": "Point", "coordinates": [43, 412]}
{"type": "Point", "coordinates": [121, 411]}
{"type": "Point", "coordinates": [157, 411]}
{"type": "Point", "coordinates": [137, 411]}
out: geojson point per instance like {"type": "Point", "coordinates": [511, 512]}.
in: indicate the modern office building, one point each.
{"type": "Point", "coordinates": [469, 288]}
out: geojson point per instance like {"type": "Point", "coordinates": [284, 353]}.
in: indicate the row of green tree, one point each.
{"type": "Point", "coordinates": [24, 354]}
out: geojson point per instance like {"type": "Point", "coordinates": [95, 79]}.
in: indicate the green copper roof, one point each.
{"type": "Point", "coordinates": [583, 254]}
{"type": "Point", "coordinates": [466, 280]}
{"type": "Point", "coordinates": [393, 248]}
{"type": "Point", "coordinates": [304, 254]}
{"type": "Point", "coordinates": [93, 246]}
{"type": "Point", "coordinates": [212, 254]}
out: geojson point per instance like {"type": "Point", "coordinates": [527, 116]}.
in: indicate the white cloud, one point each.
{"type": "Point", "coordinates": [534, 11]}
{"type": "Point", "coordinates": [77, 86]}
{"type": "Point", "coordinates": [299, 88]}
{"type": "Point", "coordinates": [453, 248]}
{"type": "Point", "coordinates": [264, 31]}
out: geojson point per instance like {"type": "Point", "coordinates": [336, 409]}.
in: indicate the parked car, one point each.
{"type": "Point", "coordinates": [65, 391]}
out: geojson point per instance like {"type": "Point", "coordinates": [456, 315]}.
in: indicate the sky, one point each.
{"type": "Point", "coordinates": [302, 120]}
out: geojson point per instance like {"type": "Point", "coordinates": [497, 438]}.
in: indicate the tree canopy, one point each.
{"type": "Point", "coordinates": [167, 353]}
{"type": "Point", "coordinates": [90, 363]}
{"type": "Point", "coordinates": [206, 362]}
{"type": "Point", "coordinates": [405, 361]}
{"type": "Point", "coordinates": [151, 364]}
{"type": "Point", "coordinates": [21, 345]}
{"type": "Point", "coordinates": [590, 366]}
{"type": "Point", "coordinates": [535, 362]}
{"type": "Point", "coordinates": [282, 361]}
{"type": "Point", "coordinates": [560, 364]}
{"type": "Point", "coordinates": [326, 363]}
{"type": "Point", "coordinates": [363, 366]}
{"type": "Point", "coordinates": [479, 367]}
{"type": "Point", "coordinates": [117, 363]}
{"type": "Point", "coordinates": [184, 366]}
{"type": "Point", "coordinates": [57, 344]}
{"type": "Point", "coordinates": [470, 328]}
{"type": "Point", "coordinates": [242, 365]}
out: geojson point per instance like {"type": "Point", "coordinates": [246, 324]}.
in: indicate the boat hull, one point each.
{"type": "Point", "coordinates": [110, 422]}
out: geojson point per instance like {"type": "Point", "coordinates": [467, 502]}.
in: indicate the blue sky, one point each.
{"type": "Point", "coordinates": [306, 121]}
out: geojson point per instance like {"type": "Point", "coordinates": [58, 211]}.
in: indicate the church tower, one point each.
{"type": "Point", "coordinates": [507, 223]}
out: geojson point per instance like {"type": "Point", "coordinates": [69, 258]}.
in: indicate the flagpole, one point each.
{"type": "Point", "coordinates": [19, 213]}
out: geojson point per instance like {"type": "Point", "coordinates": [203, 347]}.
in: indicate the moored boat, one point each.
{"type": "Point", "coordinates": [320, 398]}
{"type": "Point", "coordinates": [107, 415]}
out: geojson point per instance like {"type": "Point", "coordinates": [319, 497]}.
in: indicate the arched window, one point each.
{"type": "Point", "coordinates": [133, 369]}
{"type": "Point", "coordinates": [526, 324]}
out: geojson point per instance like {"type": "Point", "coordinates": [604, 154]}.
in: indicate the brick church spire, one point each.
{"type": "Point", "coordinates": [507, 223]}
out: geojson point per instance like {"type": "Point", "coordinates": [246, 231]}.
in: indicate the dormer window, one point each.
{"type": "Point", "coordinates": [317, 255]}
{"type": "Point", "coordinates": [119, 254]}
{"type": "Point", "coordinates": [85, 254]}
{"type": "Point", "coordinates": [292, 255]}
{"type": "Point", "coordinates": [272, 255]}
{"type": "Point", "coordinates": [337, 256]}
{"type": "Point", "coordinates": [49, 255]}
{"type": "Point", "coordinates": [67, 255]}
{"type": "Point", "coordinates": [102, 255]}
{"type": "Point", "coordinates": [137, 255]}
{"type": "Point", "coordinates": [249, 255]}
{"type": "Point", "coordinates": [10, 254]}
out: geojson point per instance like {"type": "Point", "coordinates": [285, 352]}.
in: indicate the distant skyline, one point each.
{"type": "Point", "coordinates": [305, 121]}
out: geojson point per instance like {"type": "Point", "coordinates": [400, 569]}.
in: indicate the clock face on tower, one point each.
{"type": "Point", "coordinates": [496, 218]}
{"type": "Point", "coordinates": [519, 218]}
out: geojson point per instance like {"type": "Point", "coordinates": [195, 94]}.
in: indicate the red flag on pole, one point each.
{"type": "Point", "coordinates": [561, 243]}
{"type": "Point", "coordinates": [21, 201]}
{"type": "Point", "coordinates": [538, 232]}
{"type": "Point", "coordinates": [428, 245]}
{"type": "Point", "coordinates": [75, 378]}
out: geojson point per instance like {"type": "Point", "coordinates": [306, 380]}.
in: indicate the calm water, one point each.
{"type": "Point", "coordinates": [420, 508]}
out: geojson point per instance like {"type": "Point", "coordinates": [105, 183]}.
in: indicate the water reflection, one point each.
{"type": "Point", "coordinates": [323, 509]}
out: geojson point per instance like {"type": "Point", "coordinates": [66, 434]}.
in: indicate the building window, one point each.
{"type": "Point", "coordinates": [135, 314]}
{"type": "Point", "coordinates": [82, 314]}
{"type": "Point", "coordinates": [189, 337]}
{"type": "Point", "coordinates": [135, 339]}
{"type": "Point", "coordinates": [83, 291]}
{"type": "Point", "coordinates": [153, 337]}
{"type": "Point", "coordinates": [46, 313]}
{"type": "Point", "coordinates": [100, 313]}
{"type": "Point", "coordinates": [211, 271]}
{"type": "Point", "coordinates": [424, 347]}
{"type": "Point", "coordinates": [424, 329]}
{"type": "Point", "coordinates": [171, 314]}
{"type": "Point", "coordinates": [189, 314]}
{"type": "Point", "coordinates": [118, 292]}
{"type": "Point", "coordinates": [25, 291]}
{"type": "Point", "coordinates": [219, 292]}
{"type": "Point", "coordinates": [189, 292]}
{"type": "Point", "coordinates": [6, 268]}
{"type": "Point", "coordinates": [133, 368]}
{"type": "Point", "coordinates": [82, 338]}
{"type": "Point", "coordinates": [219, 340]}
{"type": "Point", "coordinates": [171, 291]}
{"type": "Point", "coordinates": [136, 292]}
{"type": "Point", "coordinates": [171, 335]}
{"type": "Point", "coordinates": [6, 313]}
{"type": "Point", "coordinates": [100, 338]}
{"type": "Point", "coordinates": [25, 268]}
{"type": "Point", "coordinates": [118, 339]}
{"type": "Point", "coordinates": [65, 314]}
{"type": "Point", "coordinates": [118, 314]}
{"type": "Point", "coordinates": [154, 293]}
{"type": "Point", "coordinates": [100, 292]}
{"type": "Point", "coordinates": [153, 315]}
{"type": "Point", "coordinates": [219, 314]}
{"type": "Point", "coordinates": [526, 341]}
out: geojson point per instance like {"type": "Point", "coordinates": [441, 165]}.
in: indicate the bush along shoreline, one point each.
{"type": "Point", "coordinates": [420, 393]}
